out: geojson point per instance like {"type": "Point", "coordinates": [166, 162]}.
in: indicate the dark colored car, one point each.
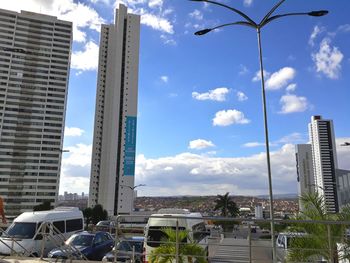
{"type": "Point", "coordinates": [92, 245]}
{"type": "Point", "coordinates": [125, 250]}
{"type": "Point", "coordinates": [106, 225]}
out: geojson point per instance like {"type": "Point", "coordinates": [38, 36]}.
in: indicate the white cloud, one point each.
{"type": "Point", "coordinates": [257, 76]}
{"type": "Point", "coordinates": [152, 12]}
{"type": "Point", "coordinates": [86, 59]}
{"type": "Point", "coordinates": [253, 144]}
{"type": "Point", "coordinates": [194, 174]}
{"type": "Point", "coordinates": [106, 2]}
{"type": "Point", "coordinates": [200, 144]}
{"type": "Point", "coordinates": [344, 28]}
{"type": "Point", "coordinates": [197, 174]}
{"type": "Point", "coordinates": [196, 14]}
{"type": "Point", "coordinates": [316, 31]}
{"type": "Point", "coordinates": [155, 3]}
{"type": "Point", "coordinates": [247, 2]}
{"type": "Point", "coordinates": [243, 70]}
{"type": "Point", "coordinates": [73, 131]}
{"type": "Point", "coordinates": [83, 16]}
{"type": "Point", "coordinates": [75, 171]}
{"type": "Point", "coordinates": [241, 96]}
{"type": "Point", "coordinates": [292, 103]}
{"type": "Point", "coordinates": [218, 94]}
{"type": "Point", "coordinates": [165, 79]}
{"type": "Point", "coordinates": [226, 118]}
{"type": "Point", "coordinates": [328, 59]}
{"type": "Point", "coordinates": [157, 23]}
{"type": "Point", "coordinates": [168, 39]}
{"type": "Point", "coordinates": [280, 78]}
{"type": "Point", "coordinates": [291, 87]}
{"type": "Point", "coordinates": [293, 138]}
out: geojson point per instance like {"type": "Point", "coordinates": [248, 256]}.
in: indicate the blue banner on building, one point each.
{"type": "Point", "coordinates": [130, 146]}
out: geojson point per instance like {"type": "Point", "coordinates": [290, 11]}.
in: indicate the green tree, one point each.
{"type": "Point", "coordinates": [87, 212]}
{"type": "Point", "coordinates": [320, 240]}
{"type": "Point", "coordinates": [226, 205]}
{"type": "Point", "coordinates": [46, 205]}
{"type": "Point", "coordinates": [188, 251]}
{"type": "Point", "coordinates": [98, 214]}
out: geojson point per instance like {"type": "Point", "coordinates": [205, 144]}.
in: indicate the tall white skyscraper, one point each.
{"type": "Point", "coordinates": [325, 162]}
{"type": "Point", "coordinates": [34, 69]}
{"type": "Point", "coordinates": [113, 153]}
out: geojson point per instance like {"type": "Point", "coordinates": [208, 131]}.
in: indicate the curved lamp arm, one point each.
{"type": "Point", "coordinates": [313, 13]}
{"type": "Point", "coordinates": [266, 17]}
{"type": "Point", "coordinates": [207, 30]}
{"type": "Point", "coordinates": [231, 8]}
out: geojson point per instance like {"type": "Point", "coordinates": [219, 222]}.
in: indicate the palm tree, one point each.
{"type": "Point", "coordinates": [226, 205]}
{"type": "Point", "coordinates": [320, 240]}
{"type": "Point", "coordinates": [166, 252]}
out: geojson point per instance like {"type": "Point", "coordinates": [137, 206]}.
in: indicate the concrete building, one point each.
{"type": "Point", "coordinates": [305, 172]}
{"type": "Point", "coordinates": [343, 179]}
{"type": "Point", "coordinates": [113, 153]}
{"type": "Point", "coordinates": [34, 69]}
{"type": "Point", "coordinates": [259, 212]}
{"type": "Point", "coordinates": [325, 162]}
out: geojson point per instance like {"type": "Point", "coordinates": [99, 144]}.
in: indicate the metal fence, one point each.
{"type": "Point", "coordinates": [222, 240]}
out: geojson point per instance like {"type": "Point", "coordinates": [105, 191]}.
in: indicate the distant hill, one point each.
{"type": "Point", "coordinates": [280, 196]}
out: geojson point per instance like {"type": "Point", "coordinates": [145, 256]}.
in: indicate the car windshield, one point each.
{"type": "Point", "coordinates": [21, 230]}
{"type": "Point", "coordinates": [80, 240]}
{"type": "Point", "coordinates": [126, 245]}
{"type": "Point", "coordinates": [156, 236]}
{"type": "Point", "coordinates": [103, 223]}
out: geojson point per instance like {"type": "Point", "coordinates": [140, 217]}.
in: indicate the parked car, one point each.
{"type": "Point", "coordinates": [93, 246]}
{"type": "Point", "coordinates": [125, 250]}
{"type": "Point", "coordinates": [106, 225]}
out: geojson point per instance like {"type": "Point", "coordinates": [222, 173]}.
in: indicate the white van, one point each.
{"type": "Point", "coordinates": [283, 242]}
{"type": "Point", "coordinates": [24, 235]}
{"type": "Point", "coordinates": [192, 222]}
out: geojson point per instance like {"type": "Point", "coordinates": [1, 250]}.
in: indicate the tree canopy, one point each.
{"type": "Point", "coordinates": [320, 240]}
{"type": "Point", "coordinates": [226, 205]}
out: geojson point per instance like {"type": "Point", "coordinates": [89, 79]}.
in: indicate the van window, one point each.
{"type": "Point", "coordinates": [199, 232]}
{"type": "Point", "coordinates": [60, 227]}
{"type": "Point", "coordinates": [74, 225]}
{"type": "Point", "coordinates": [156, 236]}
{"type": "Point", "coordinates": [22, 230]}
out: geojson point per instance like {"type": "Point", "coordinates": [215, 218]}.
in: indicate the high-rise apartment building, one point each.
{"type": "Point", "coordinates": [325, 162]}
{"type": "Point", "coordinates": [34, 70]}
{"type": "Point", "coordinates": [305, 172]}
{"type": "Point", "coordinates": [114, 143]}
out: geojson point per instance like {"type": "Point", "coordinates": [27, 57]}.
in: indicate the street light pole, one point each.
{"type": "Point", "coordinates": [258, 26]}
{"type": "Point", "coordinates": [267, 146]}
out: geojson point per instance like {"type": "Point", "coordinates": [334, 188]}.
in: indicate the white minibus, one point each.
{"type": "Point", "coordinates": [180, 219]}
{"type": "Point", "coordinates": [24, 235]}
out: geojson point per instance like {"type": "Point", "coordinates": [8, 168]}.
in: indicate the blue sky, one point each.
{"type": "Point", "coordinates": [200, 127]}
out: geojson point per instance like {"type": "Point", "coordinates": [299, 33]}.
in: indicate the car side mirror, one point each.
{"type": "Point", "coordinates": [39, 237]}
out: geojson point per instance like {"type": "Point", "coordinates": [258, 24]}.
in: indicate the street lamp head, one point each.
{"type": "Point", "coordinates": [202, 32]}
{"type": "Point", "coordinates": [318, 13]}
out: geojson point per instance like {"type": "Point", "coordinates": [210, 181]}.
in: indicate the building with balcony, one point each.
{"type": "Point", "coordinates": [324, 156]}
{"type": "Point", "coordinates": [114, 143]}
{"type": "Point", "coordinates": [34, 70]}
